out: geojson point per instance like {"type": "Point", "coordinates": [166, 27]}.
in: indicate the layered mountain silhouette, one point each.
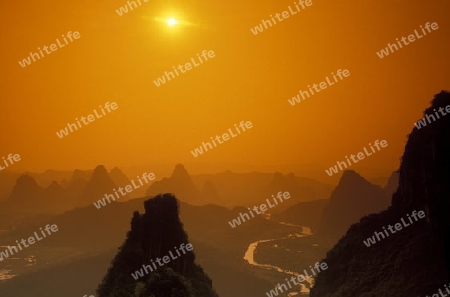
{"type": "Point", "coordinates": [119, 178]}
{"type": "Point", "coordinates": [27, 195]}
{"type": "Point", "coordinates": [353, 198]}
{"type": "Point", "coordinates": [234, 189]}
{"type": "Point", "coordinates": [415, 260]}
{"type": "Point", "coordinates": [153, 235]}
{"type": "Point", "coordinates": [80, 189]}
{"type": "Point", "coordinates": [180, 183]}
{"type": "Point", "coordinates": [26, 192]}
{"type": "Point", "coordinates": [99, 185]}
{"type": "Point", "coordinates": [219, 249]}
{"type": "Point", "coordinates": [7, 181]}
{"type": "Point", "coordinates": [392, 184]}
{"type": "Point", "coordinates": [289, 183]}
{"type": "Point", "coordinates": [81, 174]}
{"type": "Point", "coordinates": [304, 213]}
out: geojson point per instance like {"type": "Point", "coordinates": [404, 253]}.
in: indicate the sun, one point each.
{"type": "Point", "coordinates": [172, 22]}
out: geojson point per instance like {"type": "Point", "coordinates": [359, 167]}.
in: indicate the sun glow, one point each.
{"type": "Point", "coordinates": [172, 22]}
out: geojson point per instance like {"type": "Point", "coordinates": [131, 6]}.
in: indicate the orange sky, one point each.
{"type": "Point", "coordinates": [250, 78]}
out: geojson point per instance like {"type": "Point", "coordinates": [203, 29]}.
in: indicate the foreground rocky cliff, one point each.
{"type": "Point", "coordinates": [156, 237]}
{"type": "Point", "coordinates": [414, 260]}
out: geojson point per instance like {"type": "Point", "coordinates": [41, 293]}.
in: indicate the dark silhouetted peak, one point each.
{"type": "Point", "coordinates": [26, 182]}
{"type": "Point", "coordinates": [99, 172]}
{"type": "Point", "coordinates": [26, 193]}
{"type": "Point", "coordinates": [353, 198]}
{"type": "Point", "coordinates": [99, 185]}
{"type": "Point", "coordinates": [425, 168]}
{"type": "Point", "coordinates": [352, 178]}
{"type": "Point", "coordinates": [155, 234]}
{"type": "Point", "coordinates": [180, 173]}
{"type": "Point", "coordinates": [424, 185]}
{"type": "Point", "coordinates": [119, 178]}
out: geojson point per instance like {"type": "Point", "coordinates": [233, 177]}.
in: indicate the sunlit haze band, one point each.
{"type": "Point", "coordinates": [90, 118]}
{"type": "Point", "coordinates": [225, 137]}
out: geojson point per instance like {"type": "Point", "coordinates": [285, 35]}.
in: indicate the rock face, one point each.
{"type": "Point", "coordinates": [415, 260]}
{"type": "Point", "coordinates": [153, 235]}
{"type": "Point", "coordinates": [353, 198]}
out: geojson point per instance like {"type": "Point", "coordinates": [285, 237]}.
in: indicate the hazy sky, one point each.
{"type": "Point", "coordinates": [250, 78]}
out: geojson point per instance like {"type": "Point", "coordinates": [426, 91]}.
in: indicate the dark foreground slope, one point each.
{"type": "Point", "coordinates": [411, 262]}
{"type": "Point", "coordinates": [153, 235]}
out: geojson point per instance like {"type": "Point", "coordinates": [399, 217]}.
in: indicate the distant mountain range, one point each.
{"type": "Point", "coordinates": [81, 189]}
{"type": "Point", "coordinates": [233, 189]}
{"type": "Point", "coordinates": [352, 199]}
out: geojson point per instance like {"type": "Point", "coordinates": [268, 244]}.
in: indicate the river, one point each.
{"type": "Point", "coordinates": [250, 252]}
{"type": "Point", "coordinates": [10, 266]}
